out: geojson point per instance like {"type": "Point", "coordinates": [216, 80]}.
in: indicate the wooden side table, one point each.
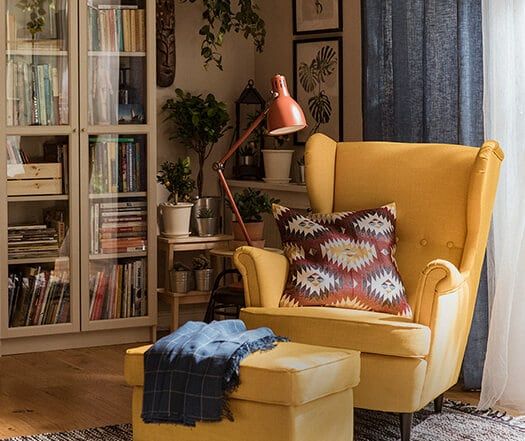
{"type": "Point", "coordinates": [168, 247]}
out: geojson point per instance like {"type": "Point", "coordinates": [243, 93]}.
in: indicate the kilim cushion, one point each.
{"type": "Point", "coordinates": [344, 260]}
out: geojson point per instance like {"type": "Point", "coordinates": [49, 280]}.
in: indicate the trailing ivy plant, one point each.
{"type": "Point", "coordinates": [198, 123]}
{"type": "Point", "coordinates": [37, 15]}
{"type": "Point", "coordinates": [220, 19]}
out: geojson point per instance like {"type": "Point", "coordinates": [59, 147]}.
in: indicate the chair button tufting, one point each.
{"type": "Point", "coordinates": [423, 242]}
{"type": "Point", "coordinates": [450, 244]}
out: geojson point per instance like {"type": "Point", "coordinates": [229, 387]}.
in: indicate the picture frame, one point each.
{"type": "Point", "coordinates": [320, 94]}
{"type": "Point", "coordinates": [317, 16]}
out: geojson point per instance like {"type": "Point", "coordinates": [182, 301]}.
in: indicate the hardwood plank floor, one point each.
{"type": "Point", "coordinates": [75, 389]}
{"type": "Point", "coordinates": [63, 390]}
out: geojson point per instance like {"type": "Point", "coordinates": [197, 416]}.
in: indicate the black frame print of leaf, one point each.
{"type": "Point", "coordinates": [314, 76]}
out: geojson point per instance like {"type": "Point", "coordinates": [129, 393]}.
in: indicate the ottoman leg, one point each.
{"type": "Point", "coordinates": [438, 404]}
{"type": "Point", "coordinates": [405, 420]}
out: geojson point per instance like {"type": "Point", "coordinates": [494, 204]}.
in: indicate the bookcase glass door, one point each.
{"type": "Point", "coordinates": [37, 60]}
{"type": "Point", "coordinates": [38, 238]}
{"type": "Point", "coordinates": [116, 62]}
{"type": "Point", "coordinates": [118, 227]}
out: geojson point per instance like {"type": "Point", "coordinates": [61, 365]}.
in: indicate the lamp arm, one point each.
{"type": "Point", "coordinates": [219, 168]}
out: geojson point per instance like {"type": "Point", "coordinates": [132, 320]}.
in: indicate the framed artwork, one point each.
{"type": "Point", "coordinates": [318, 86]}
{"type": "Point", "coordinates": [316, 16]}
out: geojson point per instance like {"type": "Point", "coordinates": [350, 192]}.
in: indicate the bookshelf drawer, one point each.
{"type": "Point", "coordinates": [34, 171]}
{"type": "Point", "coordinates": [34, 187]}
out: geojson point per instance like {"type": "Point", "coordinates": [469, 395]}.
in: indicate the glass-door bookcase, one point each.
{"type": "Point", "coordinates": [39, 264]}
{"type": "Point", "coordinates": [117, 146]}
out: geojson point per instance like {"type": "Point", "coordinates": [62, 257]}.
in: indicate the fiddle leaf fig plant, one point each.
{"type": "Point", "coordinates": [198, 124]}
{"type": "Point", "coordinates": [37, 14]}
{"type": "Point", "coordinates": [220, 19]}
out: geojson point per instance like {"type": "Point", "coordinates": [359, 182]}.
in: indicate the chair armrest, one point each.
{"type": "Point", "coordinates": [439, 277]}
{"type": "Point", "coordinates": [264, 274]}
{"type": "Point", "coordinates": [443, 300]}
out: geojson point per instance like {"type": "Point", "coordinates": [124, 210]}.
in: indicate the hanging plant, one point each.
{"type": "Point", "coordinates": [37, 14]}
{"type": "Point", "coordinates": [221, 19]}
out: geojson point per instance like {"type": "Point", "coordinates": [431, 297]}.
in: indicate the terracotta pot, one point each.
{"type": "Point", "coordinates": [255, 230]}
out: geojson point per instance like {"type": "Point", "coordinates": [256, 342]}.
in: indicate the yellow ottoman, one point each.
{"type": "Point", "coordinates": [294, 392]}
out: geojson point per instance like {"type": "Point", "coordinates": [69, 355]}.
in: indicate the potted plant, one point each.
{"type": "Point", "coordinates": [206, 222]}
{"type": "Point", "coordinates": [180, 278]}
{"type": "Point", "coordinates": [300, 163]}
{"type": "Point", "coordinates": [203, 273]}
{"type": "Point", "coordinates": [277, 161]}
{"type": "Point", "coordinates": [247, 154]}
{"type": "Point", "coordinates": [176, 212]}
{"type": "Point", "coordinates": [252, 204]}
{"type": "Point", "coordinates": [198, 124]}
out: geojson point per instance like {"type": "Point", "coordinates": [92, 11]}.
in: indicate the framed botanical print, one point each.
{"type": "Point", "coordinates": [318, 86]}
{"type": "Point", "coordinates": [316, 16]}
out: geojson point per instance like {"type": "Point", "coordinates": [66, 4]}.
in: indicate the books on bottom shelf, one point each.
{"type": "Point", "coordinates": [38, 297]}
{"type": "Point", "coordinates": [118, 227]}
{"type": "Point", "coordinates": [118, 290]}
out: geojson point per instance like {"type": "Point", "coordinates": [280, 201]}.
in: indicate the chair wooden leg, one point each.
{"type": "Point", "coordinates": [405, 420]}
{"type": "Point", "coordinates": [438, 404]}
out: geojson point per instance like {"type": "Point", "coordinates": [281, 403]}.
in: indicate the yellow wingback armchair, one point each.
{"type": "Point", "coordinates": [444, 196]}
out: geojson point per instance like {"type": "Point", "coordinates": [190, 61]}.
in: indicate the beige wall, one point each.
{"type": "Point", "coordinates": [239, 67]}
{"type": "Point", "coordinates": [277, 56]}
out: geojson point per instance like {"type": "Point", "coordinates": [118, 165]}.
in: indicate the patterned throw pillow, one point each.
{"type": "Point", "coordinates": [344, 260]}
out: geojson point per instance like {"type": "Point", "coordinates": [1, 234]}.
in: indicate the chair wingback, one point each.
{"type": "Point", "coordinates": [444, 195]}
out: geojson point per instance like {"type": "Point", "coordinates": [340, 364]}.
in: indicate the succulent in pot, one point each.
{"type": "Point", "coordinates": [180, 278]}
{"type": "Point", "coordinates": [176, 212]}
{"type": "Point", "coordinates": [206, 222]}
{"type": "Point", "coordinates": [247, 154]}
{"type": "Point", "coordinates": [252, 204]}
{"type": "Point", "coordinates": [203, 273]}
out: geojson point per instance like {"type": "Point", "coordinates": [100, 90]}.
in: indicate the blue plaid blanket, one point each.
{"type": "Point", "coordinates": [188, 373]}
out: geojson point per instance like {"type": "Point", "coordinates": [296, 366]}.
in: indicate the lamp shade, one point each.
{"type": "Point", "coordinates": [285, 115]}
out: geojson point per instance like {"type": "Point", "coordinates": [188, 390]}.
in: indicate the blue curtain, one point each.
{"type": "Point", "coordinates": [423, 82]}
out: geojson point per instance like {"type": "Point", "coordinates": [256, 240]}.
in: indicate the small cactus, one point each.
{"type": "Point", "coordinates": [179, 266]}
{"type": "Point", "coordinates": [201, 263]}
{"type": "Point", "coordinates": [205, 213]}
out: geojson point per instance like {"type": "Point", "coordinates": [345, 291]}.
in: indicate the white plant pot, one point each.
{"type": "Point", "coordinates": [176, 219]}
{"type": "Point", "coordinates": [277, 164]}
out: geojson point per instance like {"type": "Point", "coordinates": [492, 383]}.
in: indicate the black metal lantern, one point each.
{"type": "Point", "coordinates": [248, 159]}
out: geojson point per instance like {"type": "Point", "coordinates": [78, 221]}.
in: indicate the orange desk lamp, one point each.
{"type": "Point", "coordinates": [285, 116]}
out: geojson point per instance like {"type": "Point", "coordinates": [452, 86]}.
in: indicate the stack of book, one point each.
{"type": "Point", "coordinates": [117, 28]}
{"type": "Point", "coordinates": [118, 291]}
{"type": "Point", "coordinates": [29, 241]}
{"type": "Point", "coordinates": [38, 297]}
{"type": "Point", "coordinates": [117, 165]}
{"type": "Point", "coordinates": [34, 95]}
{"type": "Point", "coordinates": [118, 227]}
{"type": "Point", "coordinates": [15, 153]}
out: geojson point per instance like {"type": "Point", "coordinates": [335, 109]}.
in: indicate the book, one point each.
{"type": "Point", "coordinates": [118, 290]}
{"type": "Point", "coordinates": [38, 296]}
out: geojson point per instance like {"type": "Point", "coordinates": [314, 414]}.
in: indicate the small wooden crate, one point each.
{"type": "Point", "coordinates": [34, 179]}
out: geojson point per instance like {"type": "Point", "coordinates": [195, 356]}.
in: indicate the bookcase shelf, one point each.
{"type": "Point", "coordinates": [36, 53]}
{"type": "Point", "coordinates": [121, 195]}
{"type": "Point", "coordinates": [37, 198]}
{"type": "Point", "coordinates": [114, 256]}
{"type": "Point", "coordinates": [79, 146]}
{"type": "Point", "coordinates": [116, 54]}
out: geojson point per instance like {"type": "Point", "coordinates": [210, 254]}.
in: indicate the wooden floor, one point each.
{"type": "Point", "coordinates": [74, 389]}
{"type": "Point", "coordinates": [63, 390]}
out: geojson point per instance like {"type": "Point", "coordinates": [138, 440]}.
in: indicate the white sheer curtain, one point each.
{"type": "Point", "coordinates": [504, 59]}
